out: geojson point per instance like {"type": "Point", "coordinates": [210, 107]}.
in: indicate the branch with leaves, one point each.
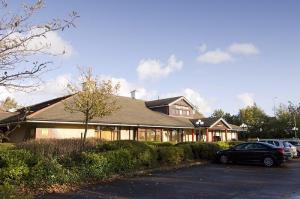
{"type": "Point", "coordinates": [93, 99]}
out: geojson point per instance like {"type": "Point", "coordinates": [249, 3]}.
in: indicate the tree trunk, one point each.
{"type": "Point", "coordinates": [85, 130]}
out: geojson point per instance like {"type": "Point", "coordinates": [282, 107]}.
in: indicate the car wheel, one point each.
{"type": "Point", "coordinates": [224, 159]}
{"type": "Point", "coordinates": [269, 162]}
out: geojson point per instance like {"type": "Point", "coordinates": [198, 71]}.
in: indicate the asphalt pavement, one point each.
{"type": "Point", "coordinates": [204, 181]}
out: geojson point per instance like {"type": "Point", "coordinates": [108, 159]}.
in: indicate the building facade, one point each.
{"type": "Point", "coordinates": [165, 120]}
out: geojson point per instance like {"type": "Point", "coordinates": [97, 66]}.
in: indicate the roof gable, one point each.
{"type": "Point", "coordinates": [161, 102]}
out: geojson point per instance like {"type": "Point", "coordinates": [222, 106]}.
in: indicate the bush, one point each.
{"type": "Point", "coordinates": [205, 151]}
{"type": "Point", "coordinates": [57, 147]}
{"type": "Point", "coordinates": [188, 150]}
{"type": "Point", "coordinates": [48, 172]}
{"type": "Point", "coordinates": [170, 155]}
{"type": "Point", "coordinates": [46, 162]}
{"type": "Point", "coordinates": [14, 165]}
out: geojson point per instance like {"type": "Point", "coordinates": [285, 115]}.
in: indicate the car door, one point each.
{"type": "Point", "coordinates": [257, 152]}
{"type": "Point", "coordinates": [239, 153]}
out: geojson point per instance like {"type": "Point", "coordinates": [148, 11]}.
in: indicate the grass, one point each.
{"type": "Point", "coordinates": [6, 146]}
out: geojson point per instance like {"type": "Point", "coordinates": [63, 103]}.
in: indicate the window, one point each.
{"type": "Point", "coordinates": [276, 143]}
{"type": "Point", "coordinates": [150, 135]}
{"type": "Point", "coordinates": [240, 146]}
{"type": "Point", "coordinates": [45, 132]}
{"type": "Point", "coordinates": [254, 146]}
{"type": "Point", "coordinates": [187, 112]}
{"type": "Point", "coordinates": [180, 112]}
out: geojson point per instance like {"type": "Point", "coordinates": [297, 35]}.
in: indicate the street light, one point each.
{"type": "Point", "coordinates": [295, 129]}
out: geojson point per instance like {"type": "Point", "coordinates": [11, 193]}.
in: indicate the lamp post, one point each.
{"type": "Point", "coordinates": [295, 129]}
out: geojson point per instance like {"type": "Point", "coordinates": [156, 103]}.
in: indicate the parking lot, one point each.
{"type": "Point", "coordinates": [204, 181]}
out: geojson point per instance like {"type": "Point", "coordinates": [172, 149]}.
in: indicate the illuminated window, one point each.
{"type": "Point", "coordinates": [45, 132]}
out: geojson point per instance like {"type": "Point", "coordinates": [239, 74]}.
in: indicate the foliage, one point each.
{"type": "Point", "coordinates": [94, 99]}
{"type": "Point", "coordinates": [230, 118]}
{"type": "Point", "coordinates": [218, 113]}
{"type": "Point", "coordinates": [170, 155]}
{"type": "Point", "coordinates": [42, 163]}
{"type": "Point", "coordinates": [57, 147]}
{"type": "Point", "coordinates": [188, 150]}
{"type": "Point", "coordinates": [8, 103]}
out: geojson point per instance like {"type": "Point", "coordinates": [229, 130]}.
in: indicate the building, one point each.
{"type": "Point", "coordinates": [171, 119]}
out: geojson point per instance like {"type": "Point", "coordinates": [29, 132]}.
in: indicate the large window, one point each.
{"type": "Point", "coordinates": [158, 135]}
{"type": "Point", "coordinates": [150, 135]}
{"type": "Point", "coordinates": [174, 137]}
{"type": "Point", "coordinates": [141, 135]}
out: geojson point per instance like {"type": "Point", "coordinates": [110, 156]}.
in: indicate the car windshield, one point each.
{"type": "Point", "coordinates": [295, 143]}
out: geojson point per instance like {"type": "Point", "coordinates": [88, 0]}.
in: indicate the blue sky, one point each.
{"type": "Point", "coordinates": [222, 54]}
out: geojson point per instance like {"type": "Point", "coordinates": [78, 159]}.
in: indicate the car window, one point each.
{"type": "Point", "coordinates": [276, 143]}
{"type": "Point", "coordinates": [254, 146]}
{"type": "Point", "coordinates": [271, 142]}
{"type": "Point", "coordinates": [286, 144]}
{"type": "Point", "coordinates": [240, 146]}
{"type": "Point", "coordinates": [295, 143]}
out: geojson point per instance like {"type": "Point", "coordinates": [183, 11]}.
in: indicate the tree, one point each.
{"type": "Point", "coordinates": [254, 117]}
{"type": "Point", "coordinates": [93, 99]}
{"type": "Point", "coordinates": [218, 113]}
{"type": "Point", "coordinates": [8, 103]}
{"type": "Point", "coordinates": [20, 43]}
{"type": "Point", "coordinates": [230, 118]}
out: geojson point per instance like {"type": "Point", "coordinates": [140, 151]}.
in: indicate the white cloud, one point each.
{"type": "Point", "coordinates": [247, 99]}
{"type": "Point", "coordinates": [243, 49]}
{"type": "Point", "coordinates": [154, 69]}
{"type": "Point", "coordinates": [126, 87]}
{"type": "Point", "coordinates": [52, 43]}
{"type": "Point", "coordinates": [215, 57]}
{"type": "Point", "coordinates": [50, 89]}
{"type": "Point", "coordinates": [203, 105]}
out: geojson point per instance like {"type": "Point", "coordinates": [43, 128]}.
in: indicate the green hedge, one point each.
{"type": "Point", "coordinates": [39, 164]}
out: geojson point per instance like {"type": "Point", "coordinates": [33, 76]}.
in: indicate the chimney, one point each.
{"type": "Point", "coordinates": [133, 94]}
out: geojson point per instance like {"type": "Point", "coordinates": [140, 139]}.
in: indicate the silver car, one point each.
{"type": "Point", "coordinates": [295, 143]}
{"type": "Point", "coordinates": [288, 151]}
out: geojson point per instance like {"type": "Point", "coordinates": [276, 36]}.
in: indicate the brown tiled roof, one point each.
{"type": "Point", "coordinates": [131, 112]}
{"type": "Point", "coordinates": [5, 115]}
{"type": "Point", "coordinates": [235, 127]}
{"type": "Point", "coordinates": [207, 122]}
{"type": "Point", "coordinates": [162, 102]}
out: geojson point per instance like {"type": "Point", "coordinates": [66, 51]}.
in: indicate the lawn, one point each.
{"type": "Point", "coordinates": [6, 146]}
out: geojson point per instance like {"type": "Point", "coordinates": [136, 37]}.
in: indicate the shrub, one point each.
{"type": "Point", "coordinates": [170, 155]}
{"type": "Point", "coordinates": [48, 172]}
{"type": "Point", "coordinates": [188, 150]}
{"type": "Point", "coordinates": [14, 165]}
{"type": "Point", "coordinates": [205, 151]}
{"type": "Point", "coordinates": [158, 144]}
{"type": "Point", "coordinates": [57, 147]}
{"type": "Point", "coordinates": [100, 165]}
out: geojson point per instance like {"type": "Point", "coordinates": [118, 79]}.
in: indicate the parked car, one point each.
{"type": "Point", "coordinates": [288, 151]}
{"type": "Point", "coordinates": [253, 153]}
{"type": "Point", "coordinates": [295, 143]}
{"type": "Point", "coordinates": [293, 150]}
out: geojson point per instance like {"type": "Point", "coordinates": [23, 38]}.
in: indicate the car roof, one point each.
{"type": "Point", "coordinates": [267, 144]}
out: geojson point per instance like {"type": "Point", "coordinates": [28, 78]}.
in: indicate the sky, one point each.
{"type": "Point", "coordinates": [219, 54]}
